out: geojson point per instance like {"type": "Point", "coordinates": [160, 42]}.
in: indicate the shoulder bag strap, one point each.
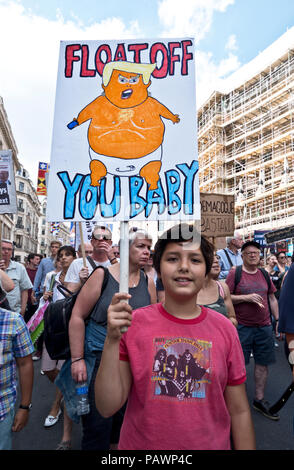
{"type": "Point", "coordinates": [91, 261]}
{"type": "Point", "coordinates": [266, 276]}
{"type": "Point", "coordinates": [229, 259]}
{"type": "Point", "coordinates": [63, 289]}
{"type": "Point", "coordinates": [221, 289]}
{"type": "Point", "coordinates": [268, 280]}
{"type": "Point", "coordinates": [238, 274]}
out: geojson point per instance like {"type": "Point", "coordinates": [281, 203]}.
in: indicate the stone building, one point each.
{"type": "Point", "coordinates": [246, 139]}
{"type": "Point", "coordinates": [27, 217]}
{"type": "Point", "coordinates": [47, 232]}
{"type": "Point", "coordinates": [7, 142]}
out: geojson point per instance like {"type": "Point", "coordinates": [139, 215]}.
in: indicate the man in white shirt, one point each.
{"type": "Point", "coordinates": [230, 256]}
{"type": "Point", "coordinates": [102, 255]}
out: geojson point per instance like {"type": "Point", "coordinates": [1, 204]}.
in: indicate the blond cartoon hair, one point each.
{"type": "Point", "coordinates": [143, 69]}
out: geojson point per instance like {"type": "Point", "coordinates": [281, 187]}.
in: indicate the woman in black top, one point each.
{"type": "Point", "coordinates": [99, 432]}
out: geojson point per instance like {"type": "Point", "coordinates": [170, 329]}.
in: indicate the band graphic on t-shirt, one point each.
{"type": "Point", "coordinates": [180, 368]}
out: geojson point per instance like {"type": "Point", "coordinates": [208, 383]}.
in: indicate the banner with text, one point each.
{"type": "Point", "coordinates": [124, 143]}
{"type": "Point", "coordinates": [7, 184]}
{"type": "Point", "coordinates": [217, 215]}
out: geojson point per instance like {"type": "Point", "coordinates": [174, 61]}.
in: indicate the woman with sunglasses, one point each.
{"type": "Point", "coordinates": [280, 270]}
{"type": "Point", "coordinates": [86, 343]}
{"type": "Point", "coordinates": [215, 294]}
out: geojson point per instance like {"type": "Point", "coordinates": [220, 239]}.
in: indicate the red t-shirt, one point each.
{"type": "Point", "coordinates": [180, 370]}
{"type": "Point", "coordinates": [248, 313]}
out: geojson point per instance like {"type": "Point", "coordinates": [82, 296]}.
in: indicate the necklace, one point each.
{"type": "Point", "coordinates": [134, 282]}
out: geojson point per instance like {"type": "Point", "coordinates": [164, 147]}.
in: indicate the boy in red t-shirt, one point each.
{"type": "Point", "coordinates": [180, 365]}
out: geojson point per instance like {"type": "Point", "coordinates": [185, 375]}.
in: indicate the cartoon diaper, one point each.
{"type": "Point", "coordinates": [125, 124]}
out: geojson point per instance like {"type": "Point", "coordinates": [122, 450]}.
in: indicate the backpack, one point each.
{"type": "Point", "coordinates": [57, 317]}
{"type": "Point", "coordinates": [238, 274]}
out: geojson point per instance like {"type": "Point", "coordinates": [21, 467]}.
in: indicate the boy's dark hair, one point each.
{"type": "Point", "coordinates": [250, 243]}
{"type": "Point", "coordinates": [181, 233]}
{"type": "Point", "coordinates": [31, 256]}
{"type": "Point", "coordinates": [68, 249]}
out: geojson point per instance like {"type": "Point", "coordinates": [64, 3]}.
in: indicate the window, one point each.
{"type": "Point", "coordinates": [20, 206]}
{"type": "Point", "coordinates": [19, 223]}
{"type": "Point", "coordinates": [18, 241]}
{"type": "Point", "coordinates": [6, 232]}
{"type": "Point", "coordinates": [21, 186]}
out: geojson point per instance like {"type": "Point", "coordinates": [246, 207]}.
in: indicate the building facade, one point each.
{"type": "Point", "coordinates": [246, 140]}
{"type": "Point", "coordinates": [7, 142]}
{"type": "Point", "coordinates": [47, 232]}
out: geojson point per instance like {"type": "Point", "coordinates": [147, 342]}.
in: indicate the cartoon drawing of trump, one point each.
{"type": "Point", "coordinates": [125, 124]}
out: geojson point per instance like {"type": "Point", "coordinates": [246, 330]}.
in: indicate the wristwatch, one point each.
{"type": "Point", "coordinates": [24, 407]}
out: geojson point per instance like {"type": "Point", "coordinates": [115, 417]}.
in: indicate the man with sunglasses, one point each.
{"type": "Point", "coordinates": [103, 255]}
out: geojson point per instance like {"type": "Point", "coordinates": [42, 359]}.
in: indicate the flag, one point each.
{"type": "Point", "coordinates": [54, 228]}
{"type": "Point", "coordinates": [41, 186]}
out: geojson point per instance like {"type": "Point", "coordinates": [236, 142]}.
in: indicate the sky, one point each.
{"type": "Point", "coordinates": [228, 34]}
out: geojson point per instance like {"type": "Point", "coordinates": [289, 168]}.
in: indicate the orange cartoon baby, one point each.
{"type": "Point", "coordinates": [126, 124]}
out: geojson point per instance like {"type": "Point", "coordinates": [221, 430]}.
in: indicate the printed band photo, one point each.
{"type": "Point", "coordinates": [124, 143]}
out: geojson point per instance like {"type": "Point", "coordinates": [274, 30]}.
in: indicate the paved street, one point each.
{"type": "Point", "coordinates": [270, 435]}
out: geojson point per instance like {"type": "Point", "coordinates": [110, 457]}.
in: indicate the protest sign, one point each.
{"type": "Point", "coordinates": [217, 215]}
{"type": "Point", "coordinates": [87, 229]}
{"type": "Point", "coordinates": [280, 234]}
{"type": "Point", "coordinates": [7, 183]}
{"type": "Point", "coordinates": [259, 237]}
{"type": "Point", "coordinates": [124, 135]}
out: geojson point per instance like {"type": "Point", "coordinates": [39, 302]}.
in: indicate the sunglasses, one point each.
{"type": "Point", "coordinates": [101, 237]}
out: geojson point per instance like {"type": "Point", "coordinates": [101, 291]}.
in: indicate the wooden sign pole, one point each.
{"type": "Point", "coordinates": [124, 261]}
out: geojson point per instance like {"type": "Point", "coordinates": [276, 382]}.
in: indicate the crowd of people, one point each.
{"type": "Point", "coordinates": [175, 376]}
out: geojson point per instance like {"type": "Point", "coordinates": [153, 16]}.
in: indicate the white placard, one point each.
{"type": "Point", "coordinates": [87, 228]}
{"type": "Point", "coordinates": [124, 141]}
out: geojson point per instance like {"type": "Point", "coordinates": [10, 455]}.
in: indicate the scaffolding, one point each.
{"type": "Point", "coordinates": [246, 147]}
